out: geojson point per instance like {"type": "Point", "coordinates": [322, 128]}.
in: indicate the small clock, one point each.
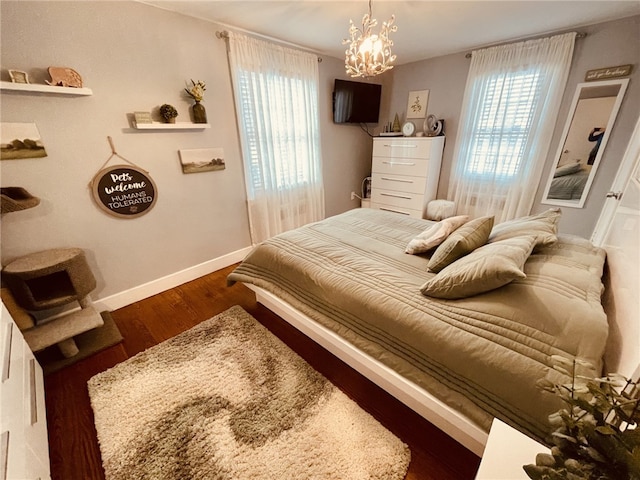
{"type": "Point", "coordinates": [408, 129]}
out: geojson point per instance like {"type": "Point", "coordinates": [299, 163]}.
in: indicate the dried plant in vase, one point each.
{"type": "Point", "coordinates": [169, 113]}
{"type": "Point", "coordinates": [196, 91]}
{"type": "Point", "coordinates": [596, 435]}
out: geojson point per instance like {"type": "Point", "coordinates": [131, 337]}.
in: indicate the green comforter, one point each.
{"type": "Point", "coordinates": [482, 355]}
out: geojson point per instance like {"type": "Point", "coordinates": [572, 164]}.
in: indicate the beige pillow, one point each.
{"type": "Point", "coordinates": [465, 239]}
{"type": "Point", "coordinates": [435, 234]}
{"type": "Point", "coordinates": [543, 225]}
{"type": "Point", "coordinates": [486, 268]}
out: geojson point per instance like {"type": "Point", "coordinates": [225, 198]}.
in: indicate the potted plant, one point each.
{"type": "Point", "coordinates": [169, 113]}
{"type": "Point", "coordinates": [597, 436]}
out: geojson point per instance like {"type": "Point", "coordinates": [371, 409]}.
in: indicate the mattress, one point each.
{"type": "Point", "coordinates": [482, 355]}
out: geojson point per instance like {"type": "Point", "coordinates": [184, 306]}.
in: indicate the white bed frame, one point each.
{"type": "Point", "coordinates": [450, 421]}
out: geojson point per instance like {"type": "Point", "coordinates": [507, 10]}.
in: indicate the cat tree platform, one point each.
{"type": "Point", "coordinates": [49, 279]}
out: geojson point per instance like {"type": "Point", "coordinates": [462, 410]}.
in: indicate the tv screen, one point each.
{"type": "Point", "coordinates": [356, 102]}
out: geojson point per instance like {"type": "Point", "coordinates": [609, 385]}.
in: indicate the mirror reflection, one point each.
{"type": "Point", "coordinates": [591, 117]}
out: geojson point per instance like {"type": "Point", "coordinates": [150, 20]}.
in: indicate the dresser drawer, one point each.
{"type": "Point", "coordinates": [402, 148]}
{"type": "Point", "coordinates": [410, 201]}
{"type": "Point", "coordinates": [398, 183]}
{"type": "Point", "coordinates": [400, 166]}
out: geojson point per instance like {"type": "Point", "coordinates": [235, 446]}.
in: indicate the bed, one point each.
{"type": "Point", "coordinates": [348, 283]}
{"type": "Point", "coordinates": [569, 181]}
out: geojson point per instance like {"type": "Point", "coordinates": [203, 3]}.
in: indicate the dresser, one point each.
{"type": "Point", "coordinates": [24, 450]}
{"type": "Point", "coordinates": [405, 173]}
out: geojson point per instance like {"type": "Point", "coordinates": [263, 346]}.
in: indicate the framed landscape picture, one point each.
{"type": "Point", "coordinates": [198, 160]}
{"type": "Point", "coordinates": [19, 141]}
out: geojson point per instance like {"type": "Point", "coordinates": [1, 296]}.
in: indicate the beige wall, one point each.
{"type": "Point", "coordinates": [606, 44]}
{"type": "Point", "coordinates": [136, 57]}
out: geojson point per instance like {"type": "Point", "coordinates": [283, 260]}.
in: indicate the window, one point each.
{"type": "Point", "coordinates": [502, 126]}
{"type": "Point", "coordinates": [289, 132]}
{"type": "Point", "coordinates": [508, 117]}
{"type": "Point", "coordinates": [276, 94]}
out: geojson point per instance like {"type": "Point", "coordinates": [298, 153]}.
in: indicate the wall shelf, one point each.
{"type": "Point", "coordinates": [171, 126]}
{"type": "Point", "coordinates": [52, 89]}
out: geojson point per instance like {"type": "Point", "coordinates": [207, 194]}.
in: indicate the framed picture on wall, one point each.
{"type": "Point", "coordinates": [417, 104]}
{"type": "Point", "coordinates": [18, 76]}
{"type": "Point", "coordinates": [198, 160]}
{"type": "Point", "coordinates": [19, 141]}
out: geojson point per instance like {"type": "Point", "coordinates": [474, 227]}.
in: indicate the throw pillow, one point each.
{"type": "Point", "coordinates": [435, 234]}
{"type": "Point", "coordinates": [465, 239]}
{"type": "Point", "coordinates": [486, 268]}
{"type": "Point", "coordinates": [543, 225]}
{"type": "Point", "coordinates": [567, 170]}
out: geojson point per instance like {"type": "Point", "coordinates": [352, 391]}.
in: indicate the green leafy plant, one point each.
{"type": "Point", "coordinates": [596, 435]}
{"type": "Point", "coordinates": [168, 111]}
{"type": "Point", "coordinates": [196, 90]}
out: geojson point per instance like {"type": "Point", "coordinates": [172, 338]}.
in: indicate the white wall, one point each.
{"type": "Point", "coordinates": [135, 57]}
{"type": "Point", "coordinates": [607, 44]}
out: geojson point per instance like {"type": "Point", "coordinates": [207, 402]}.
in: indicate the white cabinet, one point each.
{"type": "Point", "coordinates": [405, 173]}
{"type": "Point", "coordinates": [506, 452]}
{"type": "Point", "coordinates": [24, 449]}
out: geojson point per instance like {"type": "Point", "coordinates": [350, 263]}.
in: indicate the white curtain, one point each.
{"type": "Point", "coordinates": [511, 102]}
{"type": "Point", "coordinates": [276, 95]}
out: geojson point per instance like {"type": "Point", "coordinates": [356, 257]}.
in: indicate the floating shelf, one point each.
{"type": "Point", "coordinates": [171, 126]}
{"type": "Point", "coordinates": [53, 89]}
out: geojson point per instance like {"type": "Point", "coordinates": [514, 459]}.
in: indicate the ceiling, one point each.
{"type": "Point", "coordinates": [426, 29]}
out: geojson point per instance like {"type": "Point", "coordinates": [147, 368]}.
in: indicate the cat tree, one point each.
{"type": "Point", "coordinates": [45, 280]}
{"type": "Point", "coordinates": [49, 279]}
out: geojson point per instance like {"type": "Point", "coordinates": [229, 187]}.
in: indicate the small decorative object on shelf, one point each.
{"type": "Point", "coordinates": [18, 76]}
{"type": "Point", "coordinates": [396, 124]}
{"type": "Point", "coordinates": [169, 113]}
{"type": "Point", "coordinates": [64, 77]}
{"type": "Point", "coordinates": [196, 91]}
{"type": "Point", "coordinates": [596, 435]}
{"type": "Point", "coordinates": [142, 117]}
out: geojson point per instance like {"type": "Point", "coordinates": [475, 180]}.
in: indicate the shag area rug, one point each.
{"type": "Point", "coordinates": [228, 400]}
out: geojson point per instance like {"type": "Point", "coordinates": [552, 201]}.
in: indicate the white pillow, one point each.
{"type": "Point", "coordinates": [435, 234]}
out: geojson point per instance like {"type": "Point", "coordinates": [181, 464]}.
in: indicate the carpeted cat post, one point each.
{"type": "Point", "coordinates": [49, 279]}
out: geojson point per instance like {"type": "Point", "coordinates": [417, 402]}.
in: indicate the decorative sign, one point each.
{"type": "Point", "coordinates": [124, 191]}
{"type": "Point", "coordinates": [608, 72]}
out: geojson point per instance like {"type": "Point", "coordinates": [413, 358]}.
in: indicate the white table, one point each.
{"type": "Point", "coordinates": [506, 452]}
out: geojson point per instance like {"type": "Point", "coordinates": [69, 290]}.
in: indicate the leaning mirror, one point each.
{"type": "Point", "coordinates": [591, 118]}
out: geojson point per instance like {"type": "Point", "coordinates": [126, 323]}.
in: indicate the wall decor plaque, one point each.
{"type": "Point", "coordinates": [124, 191]}
{"type": "Point", "coordinates": [608, 73]}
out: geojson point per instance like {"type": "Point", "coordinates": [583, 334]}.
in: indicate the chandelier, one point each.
{"type": "Point", "coordinates": [369, 54]}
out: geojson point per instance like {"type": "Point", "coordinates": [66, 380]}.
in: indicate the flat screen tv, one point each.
{"type": "Point", "coordinates": [356, 102]}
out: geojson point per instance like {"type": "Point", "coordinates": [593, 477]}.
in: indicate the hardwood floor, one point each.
{"type": "Point", "coordinates": [73, 444]}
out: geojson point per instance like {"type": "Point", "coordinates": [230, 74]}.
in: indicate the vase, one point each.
{"type": "Point", "coordinates": [199, 113]}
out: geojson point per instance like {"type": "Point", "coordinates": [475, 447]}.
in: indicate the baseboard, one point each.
{"type": "Point", "coordinates": [127, 297]}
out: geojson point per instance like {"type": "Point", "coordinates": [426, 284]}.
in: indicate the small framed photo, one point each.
{"type": "Point", "coordinates": [18, 76]}
{"type": "Point", "coordinates": [142, 117]}
{"type": "Point", "coordinates": [417, 104]}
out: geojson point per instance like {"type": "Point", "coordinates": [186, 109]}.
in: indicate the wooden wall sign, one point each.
{"type": "Point", "coordinates": [124, 191]}
{"type": "Point", "coordinates": [608, 72]}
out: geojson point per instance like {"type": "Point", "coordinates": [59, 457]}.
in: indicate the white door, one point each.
{"type": "Point", "coordinates": [618, 232]}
